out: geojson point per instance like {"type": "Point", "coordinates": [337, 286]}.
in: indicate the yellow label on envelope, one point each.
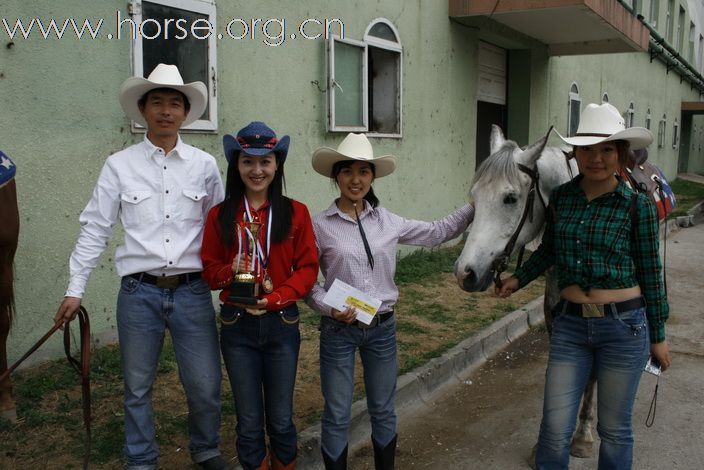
{"type": "Point", "coordinates": [359, 305]}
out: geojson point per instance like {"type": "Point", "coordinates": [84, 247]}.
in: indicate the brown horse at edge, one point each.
{"type": "Point", "coordinates": [9, 235]}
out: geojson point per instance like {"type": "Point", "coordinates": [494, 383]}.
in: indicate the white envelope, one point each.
{"type": "Point", "coordinates": [342, 295]}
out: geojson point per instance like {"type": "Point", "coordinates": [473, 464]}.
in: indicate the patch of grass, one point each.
{"type": "Point", "coordinates": [687, 194]}
{"type": "Point", "coordinates": [167, 358]}
{"type": "Point", "coordinates": [433, 312]}
{"type": "Point", "coordinates": [504, 307]}
{"type": "Point", "coordinates": [472, 302]}
{"type": "Point", "coordinates": [107, 440]}
{"type": "Point", "coordinates": [408, 327]}
{"type": "Point", "coordinates": [410, 363]}
{"type": "Point", "coordinates": [426, 264]}
{"type": "Point", "coordinates": [105, 363]}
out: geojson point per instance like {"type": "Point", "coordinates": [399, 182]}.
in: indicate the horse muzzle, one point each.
{"type": "Point", "coordinates": [469, 281]}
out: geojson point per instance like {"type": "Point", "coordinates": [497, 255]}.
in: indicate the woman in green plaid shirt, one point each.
{"type": "Point", "coordinates": [603, 240]}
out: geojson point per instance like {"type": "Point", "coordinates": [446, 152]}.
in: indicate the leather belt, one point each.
{"type": "Point", "coordinates": [378, 319]}
{"type": "Point", "coordinates": [166, 282]}
{"type": "Point", "coordinates": [598, 310]}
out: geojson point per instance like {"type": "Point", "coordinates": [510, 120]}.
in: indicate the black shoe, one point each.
{"type": "Point", "coordinates": [335, 464]}
{"type": "Point", "coordinates": [214, 463]}
{"type": "Point", "coordinates": [384, 456]}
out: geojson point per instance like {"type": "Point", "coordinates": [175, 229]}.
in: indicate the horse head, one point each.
{"type": "Point", "coordinates": [500, 192]}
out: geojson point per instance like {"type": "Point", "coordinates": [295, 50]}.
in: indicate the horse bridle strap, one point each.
{"type": "Point", "coordinates": [82, 366]}
{"type": "Point", "coordinates": [501, 263]}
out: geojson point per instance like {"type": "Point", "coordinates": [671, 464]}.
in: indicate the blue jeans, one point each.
{"type": "Point", "coordinates": [617, 346]}
{"type": "Point", "coordinates": [144, 312]}
{"type": "Point", "coordinates": [377, 348]}
{"type": "Point", "coordinates": [261, 356]}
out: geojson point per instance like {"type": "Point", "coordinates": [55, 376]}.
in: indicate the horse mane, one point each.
{"type": "Point", "coordinates": [500, 166]}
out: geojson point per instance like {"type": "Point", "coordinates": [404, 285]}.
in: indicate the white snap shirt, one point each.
{"type": "Point", "coordinates": [160, 199]}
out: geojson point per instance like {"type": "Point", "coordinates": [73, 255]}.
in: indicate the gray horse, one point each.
{"type": "Point", "coordinates": [501, 191]}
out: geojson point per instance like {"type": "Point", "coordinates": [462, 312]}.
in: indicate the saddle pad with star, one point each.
{"type": "Point", "coordinates": [7, 169]}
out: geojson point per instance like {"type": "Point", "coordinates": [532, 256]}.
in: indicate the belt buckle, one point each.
{"type": "Point", "coordinates": [167, 282]}
{"type": "Point", "coordinates": [255, 311]}
{"type": "Point", "coordinates": [372, 324]}
{"type": "Point", "coordinates": [592, 310]}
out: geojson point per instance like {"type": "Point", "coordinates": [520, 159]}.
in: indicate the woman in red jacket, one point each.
{"type": "Point", "coordinates": [259, 248]}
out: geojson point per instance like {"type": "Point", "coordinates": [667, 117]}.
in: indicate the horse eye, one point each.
{"type": "Point", "coordinates": [510, 199]}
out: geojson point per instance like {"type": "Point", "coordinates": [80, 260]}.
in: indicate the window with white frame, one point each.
{"type": "Point", "coordinates": [669, 20]}
{"type": "Point", "coordinates": [628, 116]}
{"type": "Point", "coordinates": [364, 82]}
{"type": "Point", "coordinates": [177, 32]}
{"type": "Point", "coordinates": [574, 107]}
{"type": "Point", "coordinates": [654, 12]}
{"type": "Point", "coordinates": [661, 131]}
{"type": "Point", "coordinates": [675, 134]}
{"type": "Point", "coordinates": [680, 30]}
{"type": "Point", "coordinates": [647, 119]}
{"type": "Point", "coordinates": [604, 98]}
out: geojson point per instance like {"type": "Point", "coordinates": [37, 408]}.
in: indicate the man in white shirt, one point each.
{"type": "Point", "coordinates": [161, 191]}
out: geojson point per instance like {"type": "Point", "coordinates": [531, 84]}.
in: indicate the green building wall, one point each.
{"type": "Point", "coordinates": [61, 119]}
{"type": "Point", "coordinates": [629, 78]}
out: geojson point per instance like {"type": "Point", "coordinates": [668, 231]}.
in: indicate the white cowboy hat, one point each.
{"type": "Point", "coordinates": [603, 123]}
{"type": "Point", "coordinates": [163, 76]}
{"type": "Point", "coordinates": [353, 147]}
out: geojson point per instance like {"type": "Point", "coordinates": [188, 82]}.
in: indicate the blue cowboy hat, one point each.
{"type": "Point", "coordinates": [255, 139]}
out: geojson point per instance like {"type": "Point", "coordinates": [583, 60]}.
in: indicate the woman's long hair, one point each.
{"type": "Point", "coordinates": [337, 167]}
{"type": "Point", "coordinates": [281, 207]}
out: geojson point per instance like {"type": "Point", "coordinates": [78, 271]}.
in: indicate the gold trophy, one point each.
{"type": "Point", "coordinates": [245, 288]}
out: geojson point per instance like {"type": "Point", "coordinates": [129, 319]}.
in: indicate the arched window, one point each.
{"type": "Point", "coordinates": [604, 98]}
{"type": "Point", "coordinates": [661, 131]}
{"type": "Point", "coordinates": [574, 105]}
{"type": "Point", "coordinates": [675, 134]}
{"type": "Point", "coordinates": [630, 112]}
{"type": "Point", "coordinates": [364, 81]}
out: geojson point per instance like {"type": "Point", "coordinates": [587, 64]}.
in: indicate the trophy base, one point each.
{"type": "Point", "coordinates": [242, 300]}
{"type": "Point", "coordinates": [243, 293]}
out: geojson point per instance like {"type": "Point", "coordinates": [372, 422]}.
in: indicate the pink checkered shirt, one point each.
{"type": "Point", "coordinates": [342, 256]}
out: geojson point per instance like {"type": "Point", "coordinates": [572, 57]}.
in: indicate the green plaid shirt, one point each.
{"type": "Point", "coordinates": [590, 245]}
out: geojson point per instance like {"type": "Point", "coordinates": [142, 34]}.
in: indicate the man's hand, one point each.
{"type": "Point", "coordinates": [67, 310]}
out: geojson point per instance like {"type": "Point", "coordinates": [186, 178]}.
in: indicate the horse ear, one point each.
{"type": "Point", "coordinates": [531, 154]}
{"type": "Point", "coordinates": [497, 139]}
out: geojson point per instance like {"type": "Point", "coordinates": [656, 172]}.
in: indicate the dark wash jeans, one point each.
{"type": "Point", "coordinates": [144, 312]}
{"type": "Point", "coordinates": [617, 346]}
{"type": "Point", "coordinates": [261, 356]}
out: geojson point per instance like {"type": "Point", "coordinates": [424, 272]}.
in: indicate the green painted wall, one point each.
{"type": "Point", "coordinates": [627, 78]}
{"type": "Point", "coordinates": [62, 119]}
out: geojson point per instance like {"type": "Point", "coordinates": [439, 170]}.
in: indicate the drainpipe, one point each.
{"type": "Point", "coordinates": [658, 46]}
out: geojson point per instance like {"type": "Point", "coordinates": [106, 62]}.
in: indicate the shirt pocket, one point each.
{"type": "Point", "coordinates": [191, 206]}
{"type": "Point", "coordinates": [137, 208]}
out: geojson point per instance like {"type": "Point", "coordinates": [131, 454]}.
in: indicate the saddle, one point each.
{"type": "Point", "coordinates": [645, 177]}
